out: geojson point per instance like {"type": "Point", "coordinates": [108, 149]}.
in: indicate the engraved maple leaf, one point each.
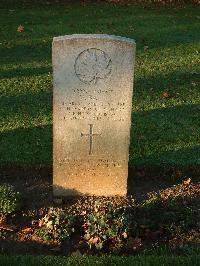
{"type": "Point", "coordinates": [93, 64]}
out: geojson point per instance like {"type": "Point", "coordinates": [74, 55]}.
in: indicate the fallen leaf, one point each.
{"type": "Point", "coordinates": [20, 28]}
{"type": "Point", "coordinates": [3, 220]}
{"type": "Point", "coordinates": [41, 211]}
{"type": "Point", "coordinates": [6, 227]}
{"type": "Point", "coordinates": [93, 240]}
{"type": "Point", "coordinates": [27, 230]}
{"type": "Point", "coordinates": [41, 222]}
{"type": "Point", "coordinates": [187, 182]}
{"type": "Point", "coordinates": [124, 235]}
{"type": "Point", "coordinates": [165, 94]}
{"type": "Point", "coordinates": [35, 223]}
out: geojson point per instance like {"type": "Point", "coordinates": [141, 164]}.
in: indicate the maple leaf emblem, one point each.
{"type": "Point", "coordinates": [92, 64]}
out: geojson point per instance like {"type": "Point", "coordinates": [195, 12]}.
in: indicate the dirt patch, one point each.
{"type": "Point", "coordinates": [173, 188]}
{"type": "Point", "coordinates": [35, 183]}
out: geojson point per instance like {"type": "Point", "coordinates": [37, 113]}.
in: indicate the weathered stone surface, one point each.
{"type": "Point", "coordinates": [93, 83]}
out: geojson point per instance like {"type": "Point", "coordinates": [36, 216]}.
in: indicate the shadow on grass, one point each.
{"type": "Point", "coordinates": [174, 25]}
{"type": "Point", "coordinates": [21, 54]}
{"type": "Point", "coordinates": [154, 85]}
{"type": "Point", "coordinates": [158, 82]}
{"type": "Point", "coordinates": [137, 23]}
{"type": "Point", "coordinates": [14, 247]}
{"type": "Point", "coordinates": [28, 105]}
{"type": "Point", "coordinates": [27, 145]}
{"type": "Point", "coordinates": [25, 72]}
{"type": "Point", "coordinates": [160, 136]}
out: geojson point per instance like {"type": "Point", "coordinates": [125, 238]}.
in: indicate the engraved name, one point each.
{"type": "Point", "coordinates": [96, 111]}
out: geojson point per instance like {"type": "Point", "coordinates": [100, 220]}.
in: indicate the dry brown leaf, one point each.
{"type": "Point", "coordinates": [124, 235]}
{"type": "Point", "coordinates": [6, 227]}
{"type": "Point", "coordinates": [93, 240]}
{"type": "Point", "coordinates": [187, 182]}
{"type": "Point", "coordinates": [20, 28]}
{"type": "Point", "coordinates": [35, 223]}
{"type": "Point", "coordinates": [165, 94]}
{"type": "Point", "coordinates": [27, 230]}
{"type": "Point", "coordinates": [41, 222]}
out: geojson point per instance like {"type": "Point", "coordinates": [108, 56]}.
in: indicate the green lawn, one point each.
{"type": "Point", "coordinates": [103, 261]}
{"type": "Point", "coordinates": [165, 130]}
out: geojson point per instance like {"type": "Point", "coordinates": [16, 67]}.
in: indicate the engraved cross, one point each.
{"type": "Point", "coordinates": [90, 135]}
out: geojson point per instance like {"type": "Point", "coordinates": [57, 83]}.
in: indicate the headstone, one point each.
{"type": "Point", "coordinates": [92, 102]}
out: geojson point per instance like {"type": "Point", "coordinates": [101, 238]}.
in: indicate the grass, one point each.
{"type": "Point", "coordinates": [192, 260]}
{"type": "Point", "coordinates": [165, 130]}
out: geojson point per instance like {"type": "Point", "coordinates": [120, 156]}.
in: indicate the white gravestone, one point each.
{"type": "Point", "coordinates": [92, 102]}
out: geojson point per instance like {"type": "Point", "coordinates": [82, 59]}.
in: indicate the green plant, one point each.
{"type": "Point", "coordinates": [152, 200]}
{"type": "Point", "coordinates": [107, 227]}
{"type": "Point", "coordinates": [56, 224]}
{"type": "Point", "coordinates": [44, 234]}
{"type": "Point", "coordinates": [9, 199]}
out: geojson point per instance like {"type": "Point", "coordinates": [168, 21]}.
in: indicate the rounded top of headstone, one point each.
{"type": "Point", "coordinates": [95, 36]}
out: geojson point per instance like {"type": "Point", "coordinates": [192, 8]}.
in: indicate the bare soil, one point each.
{"type": "Point", "coordinates": [35, 185]}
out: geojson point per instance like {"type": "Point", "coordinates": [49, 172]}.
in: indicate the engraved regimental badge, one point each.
{"type": "Point", "coordinates": [92, 64]}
